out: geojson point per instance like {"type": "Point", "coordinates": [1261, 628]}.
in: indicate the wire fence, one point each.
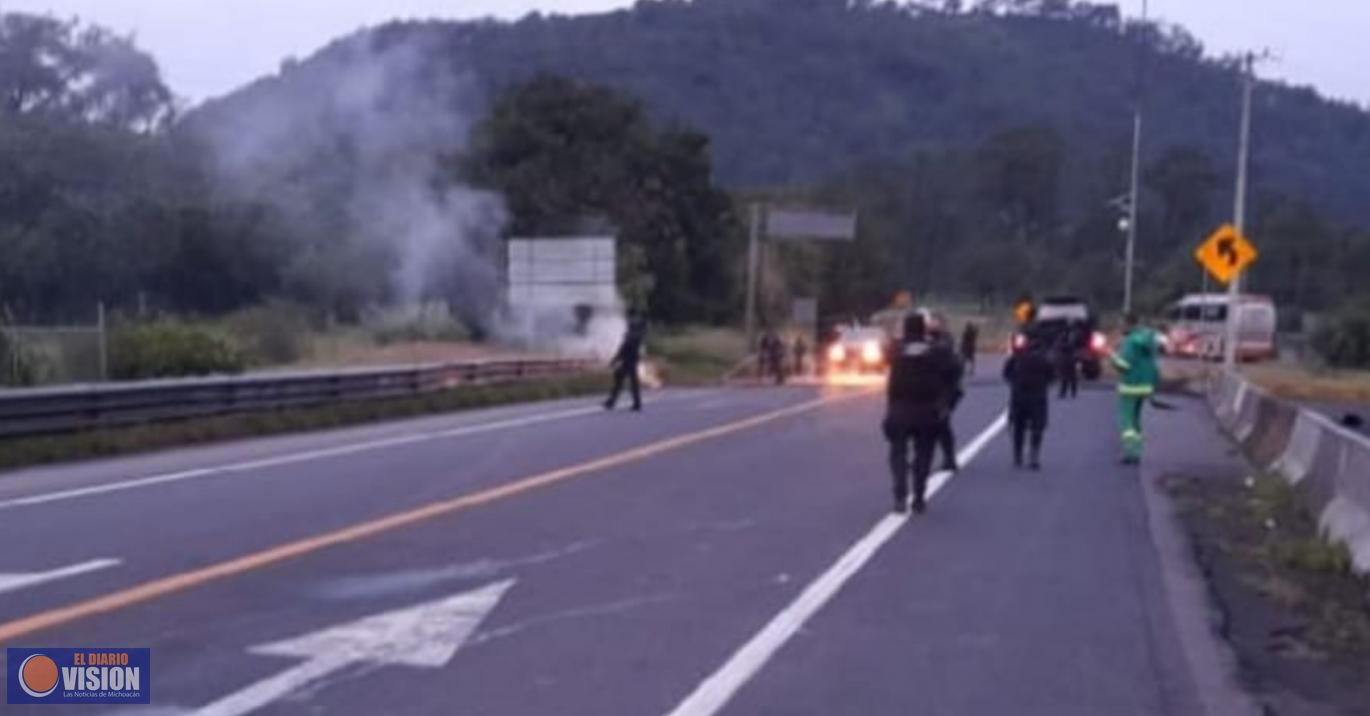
{"type": "Point", "coordinates": [46, 355]}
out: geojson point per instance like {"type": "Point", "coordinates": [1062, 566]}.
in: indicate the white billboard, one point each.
{"type": "Point", "coordinates": [563, 272]}
{"type": "Point", "coordinates": [562, 294]}
{"type": "Point", "coordinates": [809, 224]}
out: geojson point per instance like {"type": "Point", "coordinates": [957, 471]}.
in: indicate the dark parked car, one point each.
{"type": "Point", "coordinates": [1069, 318]}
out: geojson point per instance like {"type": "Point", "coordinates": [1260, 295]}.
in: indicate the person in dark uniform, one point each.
{"type": "Point", "coordinates": [922, 383]}
{"type": "Point", "coordinates": [801, 352]}
{"type": "Point", "coordinates": [1029, 373]}
{"type": "Point", "coordinates": [625, 365]}
{"type": "Point", "coordinates": [970, 339]}
{"type": "Point", "coordinates": [940, 336]}
{"type": "Point", "coordinates": [763, 354]}
{"type": "Point", "coordinates": [1068, 361]}
{"type": "Point", "coordinates": [775, 359]}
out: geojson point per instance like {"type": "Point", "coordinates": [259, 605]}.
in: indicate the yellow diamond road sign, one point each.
{"type": "Point", "coordinates": [1226, 254]}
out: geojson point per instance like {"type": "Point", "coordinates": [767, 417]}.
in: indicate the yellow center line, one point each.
{"type": "Point", "coordinates": [164, 586]}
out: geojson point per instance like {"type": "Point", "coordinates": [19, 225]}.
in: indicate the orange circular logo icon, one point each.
{"type": "Point", "coordinates": [38, 676]}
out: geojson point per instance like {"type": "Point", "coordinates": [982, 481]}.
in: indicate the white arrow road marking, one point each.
{"type": "Point", "coordinates": [11, 582]}
{"type": "Point", "coordinates": [426, 636]}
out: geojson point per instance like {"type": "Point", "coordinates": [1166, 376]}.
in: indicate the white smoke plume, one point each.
{"type": "Point", "coordinates": [348, 147]}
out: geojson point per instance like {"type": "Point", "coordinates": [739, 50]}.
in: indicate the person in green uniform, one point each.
{"type": "Point", "coordinates": [1138, 374]}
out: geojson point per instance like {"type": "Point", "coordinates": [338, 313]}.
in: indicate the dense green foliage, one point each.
{"type": "Point", "coordinates": [272, 333]}
{"type": "Point", "coordinates": [568, 155]}
{"type": "Point", "coordinates": [983, 143]}
{"type": "Point", "coordinates": [793, 91]}
{"type": "Point", "coordinates": [1343, 339]}
{"type": "Point", "coordinates": [169, 348]}
{"type": "Point", "coordinates": [96, 202]}
{"type": "Point", "coordinates": [17, 365]}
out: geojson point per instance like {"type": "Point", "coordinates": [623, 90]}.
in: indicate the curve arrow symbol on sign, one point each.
{"type": "Point", "coordinates": [425, 636]}
{"type": "Point", "coordinates": [1227, 248]}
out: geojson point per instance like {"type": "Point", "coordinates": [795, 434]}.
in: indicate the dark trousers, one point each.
{"type": "Point", "coordinates": [1070, 379]}
{"type": "Point", "coordinates": [946, 437]}
{"type": "Point", "coordinates": [626, 373]}
{"type": "Point", "coordinates": [1029, 419]}
{"type": "Point", "coordinates": [924, 439]}
{"type": "Point", "coordinates": [946, 443]}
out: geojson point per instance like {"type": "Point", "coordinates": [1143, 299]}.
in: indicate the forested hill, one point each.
{"type": "Point", "coordinates": [794, 91]}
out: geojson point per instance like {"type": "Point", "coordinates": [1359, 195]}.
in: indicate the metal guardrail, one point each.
{"type": "Point", "coordinates": [39, 411]}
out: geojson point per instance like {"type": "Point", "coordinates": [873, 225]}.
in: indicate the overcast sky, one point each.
{"type": "Point", "coordinates": [209, 47]}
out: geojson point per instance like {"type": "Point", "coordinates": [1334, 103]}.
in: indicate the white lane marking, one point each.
{"type": "Point", "coordinates": [319, 454]}
{"type": "Point", "coordinates": [294, 458]}
{"type": "Point", "coordinates": [714, 692]}
{"type": "Point", "coordinates": [426, 637]}
{"type": "Point", "coordinates": [12, 582]}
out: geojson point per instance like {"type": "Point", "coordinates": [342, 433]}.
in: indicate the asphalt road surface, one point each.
{"type": "Point", "coordinates": [726, 551]}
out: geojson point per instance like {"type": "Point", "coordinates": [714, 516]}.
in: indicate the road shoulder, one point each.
{"type": "Point", "coordinates": [1213, 666]}
{"type": "Point", "coordinates": [1219, 553]}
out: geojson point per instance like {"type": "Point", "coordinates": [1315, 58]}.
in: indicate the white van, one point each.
{"type": "Point", "coordinates": [1198, 327]}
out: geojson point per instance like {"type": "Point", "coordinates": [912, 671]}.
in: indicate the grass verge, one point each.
{"type": "Point", "coordinates": [126, 440]}
{"type": "Point", "coordinates": [1296, 615]}
{"type": "Point", "coordinates": [1291, 382]}
{"type": "Point", "coordinates": [1319, 385]}
{"type": "Point", "coordinates": [697, 356]}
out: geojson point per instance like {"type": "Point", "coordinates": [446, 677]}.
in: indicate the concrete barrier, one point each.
{"type": "Point", "coordinates": [1329, 465]}
{"type": "Point", "coordinates": [1274, 425]}
{"type": "Point", "coordinates": [1244, 420]}
{"type": "Point", "coordinates": [1297, 459]}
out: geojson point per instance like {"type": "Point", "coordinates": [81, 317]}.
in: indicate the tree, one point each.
{"type": "Point", "coordinates": [1185, 179]}
{"type": "Point", "coordinates": [563, 153]}
{"type": "Point", "coordinates": [1019, 174]}
{"type": "Point", "coordinates": [60, 69]}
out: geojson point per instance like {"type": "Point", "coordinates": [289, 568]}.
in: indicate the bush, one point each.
{"type": "Point", "coordinates": [169, 349]}
{"type": "Point", "coordinates": [18, 367]}
{"type": "Point", "coordinates": [274, 333]}
{"type": "Point", "coordinates": [1343, 339]}
{"type": "Point", "coordinates": [430, 322]}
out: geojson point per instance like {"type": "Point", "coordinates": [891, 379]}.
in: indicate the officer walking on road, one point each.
{"type": "Point", "coordinates": [970, 339]}
{"type": "Point", "coordinates": [1137, 362]}
{"type": "Point", "coordinates": [1068, 361]}
{"type": "Point", "coordinates": [771, 357]}
{"type": "Point", "coordinates": [922, 382]}
{"type": "Point", "coordinates": [625, 365]}
{"type": "Point", "coordinates": [801, 352]}
{"type": "Point", "coordinates": [940, 336]}
{"type": "Point", "coordinates": [1029, 371]}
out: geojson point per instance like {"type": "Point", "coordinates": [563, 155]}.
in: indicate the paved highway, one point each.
{"type": "Point", "coordinates": [725, 552]}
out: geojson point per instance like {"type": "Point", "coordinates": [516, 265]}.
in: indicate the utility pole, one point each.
{"type": "Point", "coordinates": [1135, 201]}
{"type": "Point", "coordinates": [104, 340]}
{"type": "Point", "coordinates": [753, 265]}
{"type": "Point", "coordinates": [1239, 211]}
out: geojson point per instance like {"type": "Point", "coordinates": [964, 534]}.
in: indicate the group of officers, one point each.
{"type": "Point", "coordinates": [925, 387]}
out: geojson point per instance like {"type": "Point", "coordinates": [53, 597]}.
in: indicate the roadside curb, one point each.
{"type": "Point", "coordinates": [1213, 664]}
{"type": "Point", "coordinates": [1329, 465]}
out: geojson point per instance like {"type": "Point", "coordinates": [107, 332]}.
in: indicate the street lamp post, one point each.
{"type": "Point", "coordinates": [1239, 211]}
{"type": "Point", "coordinates": [1131, 255]}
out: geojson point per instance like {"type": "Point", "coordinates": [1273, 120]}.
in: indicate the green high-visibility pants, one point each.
{"type": "Point", "coordinates": [1130, 404]}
